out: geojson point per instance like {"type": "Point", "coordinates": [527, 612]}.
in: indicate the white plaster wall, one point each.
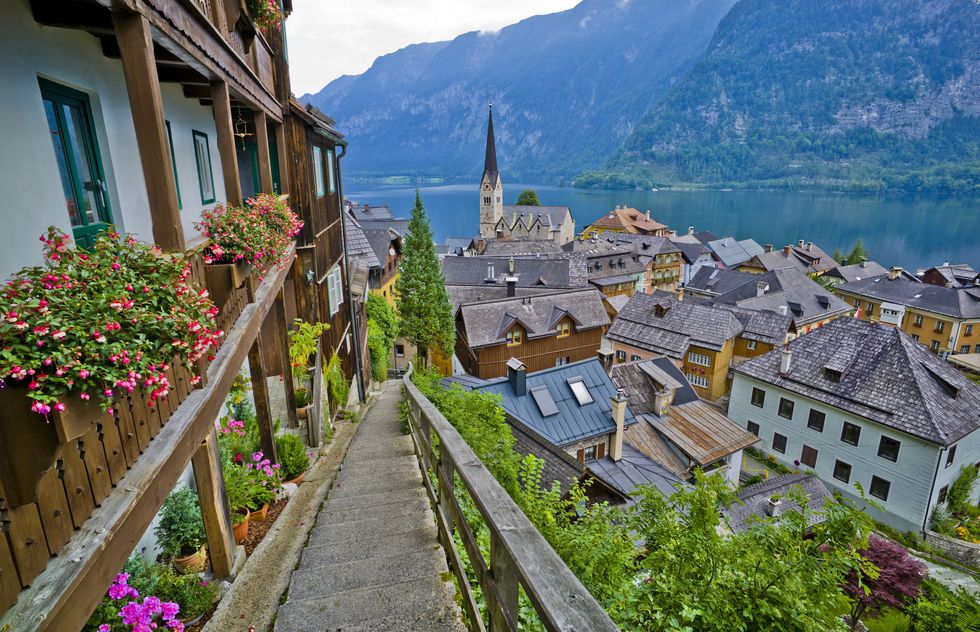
{"type": "Point", "coordinates": [29, 180]}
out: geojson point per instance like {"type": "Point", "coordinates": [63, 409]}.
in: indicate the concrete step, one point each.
{"type": "Point", "coordinates": [380, 465]}
{"type": "Point", "coordinates": [372, 475]}
{"type": "Point", "coordinates": [367, 606]}
{"type": "Point", "coordinates": [374, 500]}
{"type": "Point", "coordinates": [357, 487]}
{"type": "Point", "coordinates": [376, 571]}
{"type": "Point", "coordinates": [381, 513]}
{"type": "Point", "coordinates": [354, 532]}
{"type": "Point", "coordinates": [370, 547]}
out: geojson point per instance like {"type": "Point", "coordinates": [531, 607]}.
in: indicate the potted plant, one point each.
{"type": "Point", "coordinates": [122, 609]}
{"type": "Point", "coordinates": [303, 340]}
{"type": "Point", "coordinates": [180, 531]}
{"type": "Point", "coordinates": [264, 482]}
{"type": "Point", "coordinates": [238, 491]}
{"type": "Point", "coordinates": [267, 14]}
{"type": "Point", "coordinates": [293, 459]}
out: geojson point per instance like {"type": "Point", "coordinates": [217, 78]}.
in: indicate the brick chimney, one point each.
{"type": "Point", "coordinates": [517, 377]}
{"type": "Point", "coordinates": [894, 273]}
{"type": "Point", "coordinates": [785, 360]}
{"type": "Point", "coordinates": [618, 402]}
{"type": "Point", "coordinates": [787, 250]}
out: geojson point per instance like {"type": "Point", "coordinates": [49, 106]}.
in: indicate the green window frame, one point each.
{"type": "Point", "coordinates": [173, 163]}
{"type": "Point", "coordinates": [331, 173]}
{"type": "Point", "coordinates": [205, 174]}
{"type": "Point", "coordinates": [318, 171]}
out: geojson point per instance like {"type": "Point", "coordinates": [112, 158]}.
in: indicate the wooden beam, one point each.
{"type": "Point", "coordinates": [74, 15]}
{"type": "Point", "coordinates": [265, 159]}
{"type": "Point", "coordinates": [282, 333]}
{"type": "Point", "coordinates": [171, 74]}
{"type": "Point", "coordinates": [196, 91]}
{"type": "Point", "coordinates": [226, 142]}
{"type": "Point", "coordinates": [214, 506]}
{"type": "Point", "coordinates": [66, 593]}
{"type": "Point", "coordinates": [282, 151]}
{"type": "Point", "coordinates": [146, 104]}
{"type": "Point", "coordinates": [260, 393]}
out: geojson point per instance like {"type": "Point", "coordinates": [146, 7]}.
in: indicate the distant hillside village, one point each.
{"type": "Point", "coordinates": [629, 353]}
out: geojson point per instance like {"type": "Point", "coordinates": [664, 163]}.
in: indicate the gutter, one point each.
{"type": "Point", "coordinates": [361, 391]}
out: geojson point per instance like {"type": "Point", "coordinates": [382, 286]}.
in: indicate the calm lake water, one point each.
{"type": "Point", "coordinates": [909, 231]}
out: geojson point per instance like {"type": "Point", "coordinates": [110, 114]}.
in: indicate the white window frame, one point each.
{"type": "Point", "coordinates": [699, 358]}
{"type": "Point", "coordinates": [750, 345]}
{"type": "Point", "coordinates": [331, 173]}
{"type": "Point", "coordinates": [335, 290]}
{"type": "Point", "coordinates": [318, 171]}
{"type": "Point", "coordinates": [697, 380]}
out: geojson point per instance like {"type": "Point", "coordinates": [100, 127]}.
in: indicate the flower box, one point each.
{"type": "Point", "coordinates": [226, 286]}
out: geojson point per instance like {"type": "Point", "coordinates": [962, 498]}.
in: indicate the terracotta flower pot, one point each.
{"type": "Point", "coordinates": [241, 529]}
{"type": "Point", "coordinates": [261, 514]}
{"type": "Point", "coordinates": [296, 481]}
{"type": "Point", "coordinates": [303, 413]}
{"type": "Point", "coordinates": [195, 562]}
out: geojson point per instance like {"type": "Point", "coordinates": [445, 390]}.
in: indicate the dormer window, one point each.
{"type": "Point", "coordinates": [580, 391]}
{"type": "Point", "coordinates": [564, 328]}
{"type": "Point", "coordinates": [515, 337]}
{"type": "Point", "coordinates": [832, 374]}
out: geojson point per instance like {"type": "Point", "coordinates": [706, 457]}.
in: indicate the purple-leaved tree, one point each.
{"type": "Point", "coordinates": [897, 583]}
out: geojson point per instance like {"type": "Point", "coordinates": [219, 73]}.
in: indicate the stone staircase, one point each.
{"type": "Point", "coordinates": [373, 560]}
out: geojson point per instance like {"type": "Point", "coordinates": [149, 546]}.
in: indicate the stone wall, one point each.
{"type": "Point", "coordinates": [963, 552]}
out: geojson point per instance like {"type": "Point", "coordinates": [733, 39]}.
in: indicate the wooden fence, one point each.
{"type": "Point", "coordinates": [520, 557]}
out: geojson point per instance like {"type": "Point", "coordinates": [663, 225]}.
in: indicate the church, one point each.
{"type": "Point", "coordinates": [500, 221]}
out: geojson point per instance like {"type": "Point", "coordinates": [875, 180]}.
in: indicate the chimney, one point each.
{"type": "Point", "coordinates": [773, 507]}
{"type": "Point", "coordinates": [949, 284]}
{"type": "Point", "coordinates": [761, 287]}
{"type": "Point", "coordinates": [945, 264]}
{"type": "Point", "coordinates": [510, 265]}
{"type": "Point", "coordinates": [491, 277]}
{"type": "Point", "coordinates": [690, 230]}
{"type": "Point", "coordinates": [769, 247]}
{"type": "Point", "coordinates": [800, 243]}
{"type": "Point", "coordinates": [662, 400]}
{"type": "Point", "coordinates": [894, 273]}
{"type": "Point", "coordinates": [864, 262]}
{"type": "Point", "coordinates": [606, 360]}
{"type": "Point", "coordinates": [787, 250]}
{"type": "Point", "coordinates": [648, 214]}
{"type": "Point", "coordinates": [785, 360]}
{"type": "Point", "coordinates": [782, 310]}
{"type": "Point", "coordinates": [619, 416]}
{"type": "Point", "coordinates": [511, 286]}
{"type": "Point", "coordinates": [517, 377]}
{"type": "Point", "coordinates": [809, 246]}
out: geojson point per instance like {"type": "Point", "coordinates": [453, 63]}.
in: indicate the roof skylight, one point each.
{"type": "Point", "coordinates": [580, 390]}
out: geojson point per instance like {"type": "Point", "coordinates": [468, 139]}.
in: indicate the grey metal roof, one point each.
{"type": "Point", "coordinates": [465, 381]}
{"type": "Point", "coordinates": [400, 226]}
{"type": "Point", "coordinates": [679, 325]}
{"type": "Point", "coordinates": [858, 271]}
{"type": "Point", "coordinates": [506, 247]}
{"type": "Point", "coordinates": [572, 423]}
{"type": "Point", "coordinates": [381, 241]}
{"type": "Point", "coordinates": [706, 236]}
{"type": "Point", "coordinates": [715, 281]}
{"type": "Point", "coordinates": [732, 252]}
{"type": "Point", "coordinates": [358, 247]}
{"type": "Point", "coordinates": [485, 322]}
{"type": "Point", "coordinates": [750, 509]}
{"type": "Point", "coordinates": [529, 272]}
{"type": "Point", "coordinates": [805, 300]}
{"type": "Point", "coordinates": [886, 377]}
{"type": "Point", "coordinates": [366, 212]}
{"type": "Point", "coordinates": [633, 470]}
{"type": "Point", "coordinates": [961, 302]}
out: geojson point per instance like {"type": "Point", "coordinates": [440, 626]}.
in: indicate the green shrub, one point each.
{"type": "Point", "coordinates": [337, 383]}
{"type": "Point", "coordinates": [958, 498]}
{"type": "Point", "coordinates": [938, 609]}
{"type": "Point", "coordinates": [180, 530]}
{"type": "Point", "coordinates": [303, 340]}
{"type": "Point", "coordinates": [293, 459]}
{"type": "Point", "coordinates": [302, 397]}
{"type": "Point", "coordinates": [381, 333]}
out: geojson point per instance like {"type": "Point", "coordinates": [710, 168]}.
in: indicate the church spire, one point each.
{"type": "Point", "coordinates": [490, 162]}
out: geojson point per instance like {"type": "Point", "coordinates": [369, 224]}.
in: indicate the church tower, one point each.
{"type": "Point", "coordinates": [491, 188]}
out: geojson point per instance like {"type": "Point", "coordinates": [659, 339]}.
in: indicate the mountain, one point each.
{"type": "Point", "coordinates": [865, 94]}
{"type": "Point", "coordinates": [567, 89]}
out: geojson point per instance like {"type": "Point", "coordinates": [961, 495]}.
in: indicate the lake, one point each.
{"type": "Point", "coordinates": [908, 231]}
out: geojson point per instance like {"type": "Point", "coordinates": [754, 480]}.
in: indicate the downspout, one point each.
{"type": "Point", "coordinates": [350, 303]}
{"type": "Point", "coordinates": [932, 488]}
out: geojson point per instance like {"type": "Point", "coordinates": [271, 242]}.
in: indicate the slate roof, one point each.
{"type": "Point", "coordinates": [761, 326]}
{"type": "Point", "coordinates": [885, 376]}
{"type": "Point", "coordinates": [558, 465]}
{"type": "Point", "coordinates": [804, 299]}
{"type": "Point", "coordinates": [807, 256]}
{"type": "Point", "coordinates": [487, 322]}
{"type": "Point", "coordinates": [532, 247]}
{"type": "Point", "coordinates": [357, 243]}
{"type": "Point", "coordinates": [716, 281]}
{"type": "Point", "coordinates": [400, 226]}
{"type": "Point", "coordinates": [857, 271]}
{"type": "Point", "coordinates": [958, 274]}
{"type": "Point", "coordinates": [706, 236]}
{"type": "Point", "coordinates": [683, 324]}
{"type": "Point", "coordinates": [380, 240]}
{"type": "Point", "coordinates": [366, 212]}
{"type": "Point", "coordinates": [753, 501]}
{"type": "Point", "coordinates": [690, 252]}
{"type": "Point", "coordinates": [732, 252]}
{"type": "Point", "coordinates": [957, 302]}
{"type": "Point", "coordinates": [459, 294]}
{"type": "Point", "coordinates": [633, 470]}
{"type": "Point", "coordinates": [454, 245]}
{"type": "Point", "coordinates": [529, 272]}
{"type": "Point", "coordinates": [618, 302]}
{"type": "Point", "coordinates": [572, 423]}
{"type": "Point", "coordinates": [547, 215]}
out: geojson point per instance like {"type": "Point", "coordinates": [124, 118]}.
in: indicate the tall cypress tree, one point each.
{"type": "Point", "coordinates": [423, 305]}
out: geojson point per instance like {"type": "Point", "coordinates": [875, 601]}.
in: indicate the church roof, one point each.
{"type": "Point", "coordinates": [490, 162]}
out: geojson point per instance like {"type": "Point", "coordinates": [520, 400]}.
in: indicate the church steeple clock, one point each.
{"type": "Point", "coordinates": [491, 187]}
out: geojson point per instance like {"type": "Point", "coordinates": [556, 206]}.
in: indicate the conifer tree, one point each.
{"type": "Point", "coordinates": [423, 305]}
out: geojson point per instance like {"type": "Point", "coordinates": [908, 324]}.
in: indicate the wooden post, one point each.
{"type": "Point", "coordinates": [283, 152]}
{"type": "Point", "coordinates": [221, 101]}
{"type": "Point", "coordinates": [214, 506]}
{"type": "Point", "coordinates": [260, 393]}
{"type": "Point", "coordinates": [282, 333]}
{"type": "Point", "coordinates": [505, 579]}
{"type": "Point", "coordinates": [146, 104]}
{"type": "Point", "coordinates": [265, 160]}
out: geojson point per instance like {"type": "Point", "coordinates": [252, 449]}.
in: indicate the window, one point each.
{"type": "Point", "coordinates": [758, 397]}
{"type": "Point", "coordinates": [940, 326]}
{"type": "Point", "coordinates": [590, 453]}
{"type": "Point", "coordinates": [620, 356]}
{"type": "Point", "coordinates": [399, 351]}
{"type": "Point", "coordinates": [753, 428]}
{"type": "Point", "coordinates": [842, 471]}
{"type": "Point", "coordinates": [850, 433]}
{"type": "Point", "coordinates": [917, 321]}
{"type": "Point", "coordinates": [779, 443]}
{"type": "Point", "coordinates": [871, 308]}
{"type": "Point", "coordinates": [546, 403]}
{"type": "Point", "coordinates": [816, 420]}
{"type": "Point", "coordinates": [977, 349]}
{"type": "Point", "coordinates": [205, 177]}
{"type": "Point", "coordinates": [318, 171]}
{"type": "Point", "coordinates": [634, 358]}
{"type": "Point", "coordinates": [562, 361]}
{"type": "Point", "coordinates": [335, 290]}
{"type": "Point", "coordinates": [968, 331]}
{"type": "Point", "coordinates": [564, 328]}
{"type": "Point", "coordinates": [934, 346]}
{"type": "Point", "coordinates": [76, 150]}
{"type": "Point", "coordinates": [965, 349]}
{"type": "Point", "coordinates": [750, 345]}
{"type": "Point", "coordinates": [515, 337]}
{"type": "Point", "coordinates": [697, 380]}
{"type": "Point", "coordinates": [786, 407]}
{"type": "Point", "coordinates": [809, 456]}
{"type": "Point", "coordinates": [173, 162]}
{"type": "Point", "coordinates": [943, 491]}
{"type": "Point", "coordinates": [486, 200]}
{"type": "Point", "coordinates": [950, 456]}
{"type": "Point", "coordinates": [888, 448]}
{"type": "Point", "coordinates": [915, 337]}
{"type": "Point", "coordinates": [580, 390]}
{"type": "Point", "coordinates": [331, 174]}
{"type": "Point", "coordinates": [879, 488]}
{"type": "Point", "coordinates": [699, 358]}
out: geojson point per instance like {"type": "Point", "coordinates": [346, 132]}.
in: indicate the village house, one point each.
{"type": "Point", "coordinates": [733, 253]}
{"type": "Point", "coordinates": [854, 272]}
{"type": "Point", "coordinates": [944, 319]}
{"type": "Point", "coordinates": [694, 256]}
{"type": "Point", "coordinates": [862, 403]}
{"type": "Point", "coordinates": [523, 272]}
{"type": "Point", "coordinates": [951, 275]}
{"type": "Point", "coordinates": [540, 330]}
{"type": "Point", "coordinates": [628, 220]}
{"type": "Point", "coordinates": [805, 256]}
{"type": "Point", "coordinates": [624, 263]}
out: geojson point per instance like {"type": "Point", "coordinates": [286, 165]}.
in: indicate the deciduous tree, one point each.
{"type": "Point", "coordinates": [528, 197]}
{"type": "Point", "coordinates": [891, 580]}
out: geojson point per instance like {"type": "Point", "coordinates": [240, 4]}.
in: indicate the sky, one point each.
{"type": "Point", "coordinates": [330, 38]}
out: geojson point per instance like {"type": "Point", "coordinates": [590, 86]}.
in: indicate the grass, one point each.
{"type": "Point", "coordinates": [891, 620]}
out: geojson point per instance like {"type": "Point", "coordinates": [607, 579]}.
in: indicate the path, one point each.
{"type": "Point", "coordinates": [373, 561]}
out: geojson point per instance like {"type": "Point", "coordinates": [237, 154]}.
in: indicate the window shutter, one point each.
{"type": "Point", "coordinates": [601, 451]}
{"type": "Point", "coordinates": [331, 301]}
{"type": "Point", "coordinates": [339, 285]}
{"type": "Point", "coordinates": [581, 456]}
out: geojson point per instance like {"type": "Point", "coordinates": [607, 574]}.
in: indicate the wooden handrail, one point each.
{"type": "Point", "coordinates": [520, 557]}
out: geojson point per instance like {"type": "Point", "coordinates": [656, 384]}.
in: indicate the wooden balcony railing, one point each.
{"type": "Point", "coordinates": [520, 557]}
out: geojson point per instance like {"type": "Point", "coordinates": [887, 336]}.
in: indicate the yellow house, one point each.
{"type": "Point", "coordinates": [387, 246]}
{"type": "Point", "coordinates": [625, 220]}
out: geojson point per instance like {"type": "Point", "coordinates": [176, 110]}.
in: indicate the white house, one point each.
{"type": "Point", "coordinates": [864, 404]}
